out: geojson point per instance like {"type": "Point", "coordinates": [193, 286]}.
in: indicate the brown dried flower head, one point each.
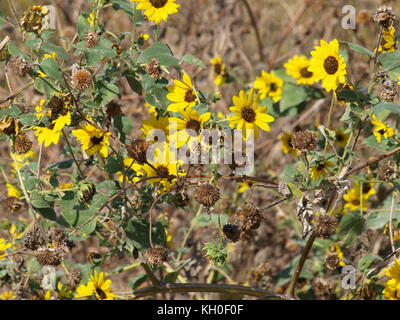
{"type": "Point", "coordinates": [74, 278]}
{"type": "Point", "coordinates": [324, 289]}
{"type": "Point", "coordinates": [137, 150]}
{"type": "Point", "coordinates": [22, 144]}
{"type": "Point", "coordinates": [157, 255]}
{"type": "Point", "coordinates": [154, 69]}
{"type": "Point", "coordinates": [332, 261]}
{"type": "Point", "coordinates": [386, 172]}
{"type": "Point", "coordinates": [92, 39]}
{"type": "Point", "coordinates": [87, 190]}
{"type": "Point", "coordinates": [231, 232]}
{"type": "Point", "coordinates": [81, 79]}
{"type": "Point", "coordinates": [48, 256]}
{"type": "Point", "coordinates": [19, 66]}
{"type": "Point", "coordinates": [385, 16]}
{"type": "Point", "coordinates": [249, 217]}
{"type": "Point", "coordinates": [325, 225]}
{"type": "Point", "coordinates": [13, 204]}
{"type": "Point", "coordinates": [34, 238]}
{"type": "Point", "coordinates": [113, 109]}
{"type": "Point", "coordinates": [207, 194]}
{"type": "Point", "coordinates": [304, 140]}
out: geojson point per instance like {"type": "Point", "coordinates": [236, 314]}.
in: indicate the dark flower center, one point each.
{"type": "Point", "coordinates": [382, 131]}
{"type": "Point", "coordinates": [366, 187]}
{"type": "Point", "coordinates": [273, 86]}
{"type": "Point", "coordinates": [101, 293]}
{"type": "Point", "coordinates": [158, 3]}
{"type": "Point", "coordinates": [321, 166]}
{"type": "Point", "coordinates": [96, 140]}
{"type": "Point", "coordinates": [218, 68]}
{"type": "Point", "coordinates": [355, 202]}
{"type": "Point", "coordinates": [339, 137]}
{"type": "Point", "coordinates": [248, 115]}
{"type": "Point", "coordinates": [305, 73]}
{"type": "Point", "coordinates": [331, 65]}
{"type": "Point", "coordinates": [162, 171]}
{"type": "Point", "coordinates": [190, 96]}
{"type": "Point", "coordinates": [193, 125]}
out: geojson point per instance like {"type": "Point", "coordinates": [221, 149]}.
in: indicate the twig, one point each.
{"type": "Point", "coordinates": [205, 287]}
{"type": "Point", "coordinates": [156, 283]}
{"type": "Point", "coordinates": [299, 268]}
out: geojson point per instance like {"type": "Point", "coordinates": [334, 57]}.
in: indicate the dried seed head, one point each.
{"type": "Point", "coordinates": [81, 80]}
{"type": "Point", "coordinates": [231, 232]}
{"type": "Point", "coordinates": [74, 278]}
{"type": "Point", "coordinates": [207, 194]}
{"type": "Point", "coordinates": [137, 150]}
{"type": "Point", "coordinates": [113, 109]}
{"type": "Point", "coordinates": [332, 261]}
{"type": "Point", "coordinates": [22, 144]}
{"type": "Point", "coordinates": [389, 90]}
{"type": "Point", "coordinates": [385, 16]}
{"type": "Point", "coordinates": [325, 225]}
{"type": "Point", "coordinates": [92, 39]}
{"type": "Point", "coordinates": [323, 289]}
{"type": "Point", "coordinates": [8, 126]}
{"type": "Point", "coordinates": [48, 256]}
{"type": "Point", "coordinates": [19, 66]}
{"type": "Point", "coordinates": [304, 140]}
{"type": "Point", "coordinates": [249, 217]}
{"type": "Point", "coordinates": [154, 69]}
{"type": "Point", "coordinates": [386, 172]}
{"type": "Point", "coordinates": [34, 238]}
{"type": "Point", "coordinates": [59, 239]}
{"type": "Point", "coordinates": [157, 255]}
{"type": "Point", "coordinates": [86, 191]}
{"type": "Point", "coordinates": [13, 204]}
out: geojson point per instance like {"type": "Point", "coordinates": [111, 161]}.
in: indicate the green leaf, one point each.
{"type": "Point", "coordinates": [390, 61]}
{"type": "Point", "coordinates": [161, 52]}
{"type": "Point", "coordinates": [383, 106]}
{"type": "Point", "coordinates": [137, 231]}
{"type": "Point", "coordinates": [350, 227]}
{"type": "Point", "coordinates": [51, 68]}
{"type": "Point", "coordinates": [124, 126]}
{"type": "Point", "coordinates": [292, 96]}
{"type": "Point", "coordinates": [45, 86]}
{"type": "Point", "coordinates": [83, 26]}
{"type": "Point", "coordinates": [49, 47]}
{"type": "Point", "coordinates": [358, 48]}
{"type": "Point", "coordinates": [61, 165]}
{"type": "Point", "coordinates": [108, 91]}
{"type": "Point", "coordinates": [78, 215]}
{"type": "Point", "coordinates": [191, 59]}
{"type": "Point", "coordinates": [114, 164]}
{"type": "Point", "coordinates": [366, 261]}
{"type": "Point", "coordinates": [28, 119]}
{"type": "Point", "coordinates": [377, 220]}
{"type": "Point", "coordinates": [137, 281]}
{"type": "Point", "coordinates": [373, 143]}
{"type": "Point", "coordinates": [134, 83]}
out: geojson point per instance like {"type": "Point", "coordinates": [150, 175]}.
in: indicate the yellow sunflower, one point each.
{"type": "Point", "coordinates": [4, 245]}
{"type": "Point", "coordinates": [182, 94]}
{"type": "Point", "coordinates": [381, 129]}
{"type": "Point", "coordinates": [162, 167]}
{"type": "Point", "coordinates": [187, 129]}
{"type": "Point", "coordinates": [320, 169]}
{"type": "Point", "coordinates": [97, 286]}
{"type": "Point", "coordinates": [286, 139]}
{"type": "Point", "coordinates": [269, 85]}
{"type": "Point", "coordinates": [357, 197]}
{"type": "Point", "coordinates": [93, 140]}
{"type": "Point", "coordinates": [13, 191]}
{"type": "Point", "coordinates": [297, 67]}
{"type": "Point", "coordinates": [248, 115]}
{"type": "Point", "coordinates": [220, 74]}
{"type": "Point", "coordinates": [150, 127]}
{"type": "Point", "coordinates": [157, 10]}
{"type": "Point", "coordinates": [328, 65]}
{"type": "Point", "coordinates": [388, 41]}
{"type": "Point", "coordinates": [392, 286]}
{"type": "Point", "coordinates": [47, 136]}
{"type": "Point", "coordinates": [341, 137]}
{"type": "Point", "coordinates": [7, 295]}
{"type": "Point", "coordinates": [245, 185]}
